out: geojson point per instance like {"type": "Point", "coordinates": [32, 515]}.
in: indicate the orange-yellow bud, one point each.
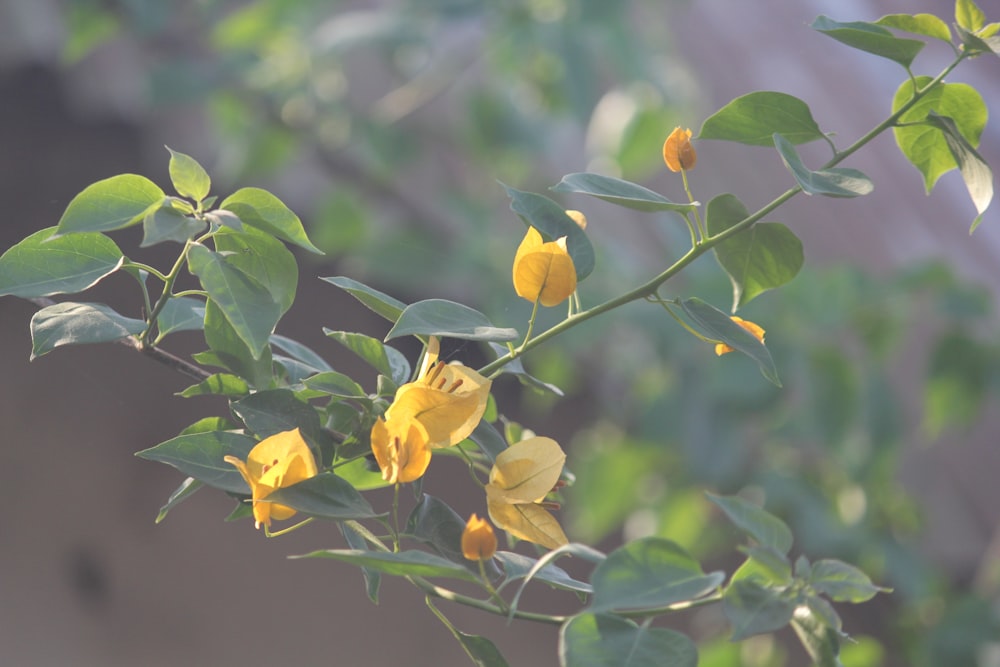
{"type": "Point", "coordinates": [678, 152]}
{"type": "Point", "coordinates": [758, 333]}
{"type": "Point", "coordinates": [478, 540]}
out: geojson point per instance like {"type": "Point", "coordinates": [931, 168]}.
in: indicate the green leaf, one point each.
{"type": "Point", "coordinates": [180, 494]}
{"type": "Point", "coordinates": [200, 455]}
{"type": "Point", "coordinates": [300, 352]}
{"type": "Point", "coordinates": [113, 203]}
{"type": "Point", "coordinates": [447, 319]}
{"type": "Point", "coordinates": [386, 360]}
{"type": "Point", "coordinates": [436, 524]}
{"type": "Point", "coordinates": [969, 16]}
{"type": "Point", "coordinates": [207, 424]}
{"type": "Point", "coordinates": [833, 182]}
{"type": "Point", "coordinates": [229, 351]}
{"type": "Point", "coordinates": [758, 259]}
{"type": "Point", "coordinates": [977, 43]}
{"type": "Point", "coordinates": [276, 411]}
{"type": "Point", "coordinates": [355, 540]}
{"type": "Point", "coordinates": [483, 652]}
{"type": "Point", "coordinates": [73, 323]}
{"type": "Point", "coordinates": [181, 314]}
{"type": "Point", "coordinates": [617, 191]}
{"type": "Point", "coordinates": [222, 218]}
{"type": "Point", "coordinates": [975, 172]}
{"type": "Point", "coordinates": [923, 143]}
{"type": "Point", "coordinates": [957, 382]}
{"type": "Point", "coordinates": [821, 641]}
{"type": "Point", "coordinates": [765, 564]}
{"type": "Point", "coordinates": [267, 260]}
{"type": "Point", "coordinates": [918, 24]}
{"type": "Point", "coordinates": [871, 38]}
{"type": "Point", "coordinates": [516, 368]}
{"type": "Point", "coordinates": [767, 529]}
{"type": "Point", "coordinates": [166, 223]}
{"type": "Point", "coordinates": [326, 496]}
{"type": "Point", "coordinates": [335, 384]}
{"type": "Point", "coordinates": [246, 304]}
{"type": "Point", "coordinates": [189, 178]}
{"type": "Point", "coordinates": [42, 266]}
{"type": "Point", "coordinates": [219, 384]}
{"type": "Point", "coordinates": [518, 566]}
{"type": "Point", "coordinates": [716, 325]}
{"type": "Point", "coordinates": [604, 640]}
{"type": "Point", "coordinates": [401, 564]}
{"type": "Point", "coordinates": [842, 582]}
{"type": "Point", "coordinates": [753, 609]}
{"type": "Point", "coordinates": [649, 573]}
{"type": "Point", "coordinates": [489, 440]}
{"type": "Point", "coordinates": [551, 220]}
{"type": "Point", "coordinates": [261, 209]}
{"type": "Point", "coordinates": [756, 117]}
{"type": "Point", "coordinates": [377, 302]}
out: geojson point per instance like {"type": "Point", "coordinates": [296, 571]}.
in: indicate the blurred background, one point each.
{"type": "Point", "coordinates": [386, 125]}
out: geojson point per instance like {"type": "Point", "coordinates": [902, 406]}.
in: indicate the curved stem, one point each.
{"type": "Point", "coordinates": [165, 295]}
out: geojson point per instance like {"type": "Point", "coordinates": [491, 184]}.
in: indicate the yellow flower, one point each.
{"type": "Point", "coordinates": [758, 333]}
{"type": "Point", "coordinates": [400, 447]}
{"type": "Point", "coordinates": [678, 152]}
{"type": "Point", "coordinates": [520, 479]}
{"type": "Point", "coordinates": [543, 272]}
{"type": "Point", "coordinates": [478, 540]}
{"type": "Point", "coordinates": [281, 460]}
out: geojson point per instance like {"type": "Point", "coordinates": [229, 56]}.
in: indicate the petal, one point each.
{"type": "Point", "coordinates": [526, 471]}
{"type": "Point", "coordinates": [545, 273]}
{"type": "Point", "coordinates": [401, 449]}
{"type": "Point", "coordinates": [271, 455]}
{"type": "Point", "coordinates": [448, 417]}
{"type": "Point", "coordinates": [528, 522]}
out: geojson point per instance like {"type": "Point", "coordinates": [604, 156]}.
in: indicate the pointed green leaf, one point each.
{"type": "Point", "coordinates": [71, 323]}
{"type": "Point", "coordinates": [447, 319]}
{"type": "Point", "coordinates": [266, 259]}
{"type": "Point", "coordinates": [820, 641]}
{"type": "Point", "coordinates": [219, 384]}
{"type": "Point", "coordinates": [110, 204]}
{"type": "Point", "coordinates": [871, 38]}
{"type": "Point", "coordinates": [326, 496]}
{"type": "Point", "coordinates": [767, 529]}
{"type": "Point", "coordinates": [617, 191]}
{"type": "Point", "coordinates": [229, 351]}
{"type": "Point", "coordinates": [604, 640]}
{"type": "Point", "coordinates": [922, 143]}
{"type": "Point", "coordinates": [181, 314]}
{"type": "Point", "coordinates": [386, 360]}
{"type": "Point", "coordinates": [716, 325]}
{"type": "Point", "coordinates": [261, 209]}
{"type": "Point", "coordinates": [517, 566]}
{"type": "Point", "coordinates": [276, 411]}
{"type": "Point", "coordinates": [753, 609]}
{"type": "Point", "coordinates": [975, 172]}
{"type": "Point", "coordinates": [300, 352]}
{"type": "Point", "coordinates": [437, 525]}
{"type": "Point", "coordinates": [180, 494]}
{"type": "Point", "coordinates": [401, 564]}
{"type": "Point", "coordinates": [189, 178]}
{"type": "Point", "coordinates": [766, 256]}
{"type": "Point", "coordinates": [42, 266]}
{"type": "Point", "coordinates": [166, 223]}
{"type": "Point", "coordinates": [765, 564]}
{"type": "Point", "coordinates": [918, 24]}
{"type": "Point", "coordinates": [968, 15]}
{"type": "Point", "coordinates": [355, 540]}
{"type": "Point", "coordinates": [842, 582]}
{"type": "Point", "coordinates": [649, 573]}
{"type": "Point", "coordinates": [201, 456]}
{"type": "Point", "coordinates": [756, 117]}
{"type": "Point", "coordinates": [247, 304]}
{"type": "Point", "coordinates": [551, 220]}
{"type": "Point", "coordinates": [335, 384]}
{"type": "Point", "coordinates": [376, 301]}
{"type": "Point", "coordinates": [481, 650]}
{"type": "Point", "coordinates": [834, 182]}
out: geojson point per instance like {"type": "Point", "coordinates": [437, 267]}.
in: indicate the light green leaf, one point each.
{"type": "Point", "coordinates": [833, 182]}
{"type": "Point", "coordinates": [71, 323]}
{"type": "Point", "coordinates": [447, 319]}
{"type": "Point", "coordinates": [41, 265]}
{"type": "Point", "coordinates": [649, 573]}
{"type": "Point", "coordinates": [401, 564]}
{"type": "Point", "coordinates": [189, 178]}
{"type": "Point", "coordinates": [918, 24]}
{"type": "Point", "coordinates": [376, 301]}
{"type": "Point", "coordinates": [166, 223]}
{"type": "Point", "coordinates": [758, 259]}
{"type": "Point", "coordinates": [969, 16]}
{"type": "Point", "coordinates": [767, 529]}
{"type": "Point", "coordinates": [181, 314]}
{"type": "Point", "coordinates": [716, 325]}
{"type": "Point", "coordinates": [821, 641]}
{"type": "Point", "coordinates": [326, 496]}
{"type": "Point", "coordinates": [842, 582]}
{"type": "Point", "coordinates": [766, 564]}
{"type": "Point", "coordinates": [219, 384]}
{"type": "Point", "coordinates": [261, 209]}
{"type": "Point", "coordinates": [977, 43]}
{"type": "Point", "coordinates": [335, 384]}
{"type": "Point", "coordinates": [871, 38]}
{"type": "Point", "coordinates": [551, 220]}
{"type": "Point", "coordinates": [386, 360]}
{"type": "Point", "coordinates": [180, 494]}
{"type": "Point", "coordinates": [201, 456]}
{"type": "Point", "coordinates": [923, 143]}
{"type": "Point", "coordinates": [753, 609]}
{"type": "Point", "coordinates": [975, 172]}
{"type": "Point", "coordinates": [617, 191]}
{"type": "Point", "coordinates": [264, 258]}
{"type": "Point", "coordinates": [604, 640]}
{"type": "Point", "coordinates": [113, 203]}
{"type": "Point", "coordinates": [756, 117]}
{"type": "Point", "coordinates": [247, 305]}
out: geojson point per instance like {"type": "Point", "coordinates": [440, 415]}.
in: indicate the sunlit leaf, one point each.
{"type": "Point", "coordinates": [604, 640]}
{"type": "Point", "coordinates": [42, 266]}
{"type": "Point", "coordinates": [756, 117]}
{"type": "Point", "coordinates": [871, 38]}
{"type": "Point", "coordinates": [112, 203]}
{"type": "Point", "coordinates": [71, 323]}
{"type": "Point", "coordinates": [447, 319]}
{"type": "Point", "coordinates": [617, 191]}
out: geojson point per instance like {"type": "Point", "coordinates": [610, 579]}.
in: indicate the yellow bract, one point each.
{"type": "Point", "coordinates": [478, 540]}
{"type": "Point", "coordinates": [274, 463]}
{"type": "Point", "coordinates": [400, 447]}
{"type": "Point", "coordinates": [543, 272]}
{"type": "Point", "coordinates": [678, 152]}
{"type": "Point", "coordinates": [520, 479]}
{"type": "Point", "coordinates": [722, 348]}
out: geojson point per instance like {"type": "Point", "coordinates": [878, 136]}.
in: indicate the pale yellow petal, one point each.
{"type": "Point", "coordinates": [526, 471]}
{"type": "Point", "coordinates": [528, 522]}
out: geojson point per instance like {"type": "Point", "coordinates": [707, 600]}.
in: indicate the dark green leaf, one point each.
{"type": "Point", "coordinates": [110, 204]}
{"type": "Point", "coordinates": [275, 411]}
{"type": "Point", "coordinates": [403, 563]}
{"type": "Point", "coordinates": [517, 566]}
{"type": "Point", "coordinates": [766, 256]}
{"type": "Point", "coordinates": [821, 641]}
{"type": "Point", "coordinates": [756, 117]}
{"type": "Point", "coordinates": [490, 442]}
{"type": "Point", "coordinates": [72, 323]}
{"type": "Point", "coordinates": [871, 38]}
{"type": "Point", "coordinates": [300, 352]}
{"type": "Point", "coordinates": [767, 529]}
{"type": "Point", "coordinates": [42, 266]}
{"type": "Point", "coordinates": [335, 384]}
{"type": "Point", "coordinates": [436, 524]}
{"type": "Point", "coordinates": [834, 182]}
{"type": "Point", "coordinates": [483, 652]}
{"type": "Point", "coordinates": [716, 325]}
{"type": "Point", "coordinates": [200, 455]}
{"type": "Point", "coordinates": [373, 579]}
{"type": "Point", "coordinates": [386, 360]}
{"type": "Point", "coordinates": [261, 209]}
{"type": "Point", "coordinates": [326, 496]}
{"type": "Point", "coordinates": [181, 314]}
{"type": "Point", "coordinates": [229, 351]}
{"type": "Point", "coordinates": [617, 191]}
{"type": "Point", "coordinates": [604, 640]}
{"type": "Point", "coordinates": [379, 303]}
{"type": "Point", "coordinates": [753, 609]}
{"type": "Point", "coordinates": [842, 582]}
{"type": "Point", "coordinates": [918, 24]}
{"type": "Point", "coordinates": [551, 220]}
{"type": "Point", "coordinates": [975, 172]}
{"type": "Point", "coordinates": [447, 319]}
{"type": "Point", "coordinates": [267, 260]}
{"type": "Point", "coordinates": [180, 494]}
{"type": "Point", "coordinates": [189, 178]}
{"type": "Point", "coordinates": [207, 424]}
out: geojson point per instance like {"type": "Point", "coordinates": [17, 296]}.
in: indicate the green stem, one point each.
{"type": "Point", "coordinates": [165, 295]}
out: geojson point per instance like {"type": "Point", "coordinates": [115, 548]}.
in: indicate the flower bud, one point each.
{"type": "Point", "coordinates": [478, 540]}
{"type": "Point", "coordinates": [678, 152]}
{"type": "Point", "coordinates": [757, 331]}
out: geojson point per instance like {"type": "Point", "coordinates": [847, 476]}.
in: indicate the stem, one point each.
{"type": "Point", "coordinates": [165, 295]}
